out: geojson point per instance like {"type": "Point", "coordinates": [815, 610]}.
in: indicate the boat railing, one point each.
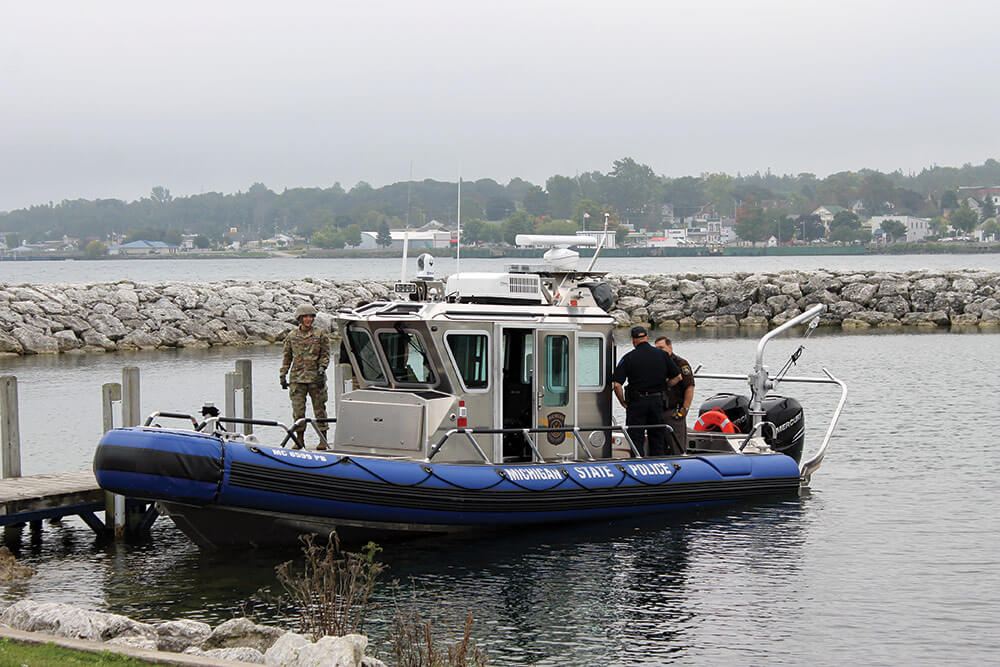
{"type": "Point", "coordinates": [810, 465]}
{"type": "Point", "coordinates": [526, 432]}
{"type": "Point", "coordinates": [216, 426]}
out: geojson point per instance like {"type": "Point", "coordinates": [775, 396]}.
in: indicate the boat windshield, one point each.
{"type": "Point", "coordinates": [364, 352]}
{"type": "Point", "coordinates": [407, 358]}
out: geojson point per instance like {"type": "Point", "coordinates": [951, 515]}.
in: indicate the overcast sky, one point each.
{"type": "Point", "coordinates": [107, 99]}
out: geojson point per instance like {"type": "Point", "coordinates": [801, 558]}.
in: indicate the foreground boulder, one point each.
{"type": "Point", "coordinates": [63, 620]}
{"type": "Point", "coordinates": [242, 632]}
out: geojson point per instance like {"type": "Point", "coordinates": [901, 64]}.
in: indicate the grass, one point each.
{"type": "Point", "coordinates": [15, 654]}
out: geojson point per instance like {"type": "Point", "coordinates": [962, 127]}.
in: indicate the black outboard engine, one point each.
{"type": "Point", "coordinates": [784, 412]}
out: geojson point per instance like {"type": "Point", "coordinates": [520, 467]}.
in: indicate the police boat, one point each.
{"type": "Point", "coordinates": [481, 401]}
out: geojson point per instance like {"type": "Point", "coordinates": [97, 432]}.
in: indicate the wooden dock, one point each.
{"type": "Point", "coordinates": [56, 495]}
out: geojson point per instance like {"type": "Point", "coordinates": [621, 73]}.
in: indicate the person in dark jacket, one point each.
{"type": "Point", "coordinates": [678, 398]}
{"type": "Point", "coordinates": [645, 370]}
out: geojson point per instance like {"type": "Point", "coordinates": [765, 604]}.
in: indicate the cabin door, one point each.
{"type": "Point", "coordinates": [555, 389]}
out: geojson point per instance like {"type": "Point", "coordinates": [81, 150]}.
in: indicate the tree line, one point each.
{"type": "Point", "coordinates": [631, 192]}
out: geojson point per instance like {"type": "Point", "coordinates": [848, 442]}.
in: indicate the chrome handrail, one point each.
{"type": "Point", "coordinates": [536, 454]}
{"type": "Point", "coordinates": [807, 468]}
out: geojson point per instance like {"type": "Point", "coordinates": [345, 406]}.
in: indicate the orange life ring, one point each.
{"type": "Point", "coordinates": [715, 420]}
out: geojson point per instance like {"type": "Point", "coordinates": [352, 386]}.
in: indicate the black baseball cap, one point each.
{"type": "Point", "coordinates": [638, 332]}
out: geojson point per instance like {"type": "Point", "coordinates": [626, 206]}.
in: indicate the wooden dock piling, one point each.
{"type": "Point", "coordinates": [10, 434]}
{"type": "Point", "coordinates": [245, 368]}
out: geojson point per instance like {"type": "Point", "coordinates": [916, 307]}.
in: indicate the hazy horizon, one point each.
{"type": "Point", "coordinates": [108, 99]}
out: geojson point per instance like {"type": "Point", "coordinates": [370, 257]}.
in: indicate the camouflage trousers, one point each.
{"type": "Point", "coordinates": [298, 392]}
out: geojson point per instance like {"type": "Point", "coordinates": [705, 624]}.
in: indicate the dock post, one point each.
{"type": "Point", "coordinates": [10, 434]}
{"type": "Point", "coordinates": [232, 383]}
{"type": "Point", "coordinates": [245, 368]}
{"type": "Point", "coordinates": [131, 412]}
{"type": "Point", "coordinates": [114, 504]}
{"type": "Point", "coordinates": [131, 416]}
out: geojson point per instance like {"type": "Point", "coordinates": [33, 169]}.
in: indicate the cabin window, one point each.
{"type": "Point", "coordinates": [364, 352]}
{"type": "Point", "coordinates": [556, 371]}
{"type": "Point", "coordinates": [471, 353]}
{"type": "Point", "coordinates": [407, 358]}
{"type": "Point", "coordinates": [528, 360]}
{"type": "Point", "coordinates": [589, 366]}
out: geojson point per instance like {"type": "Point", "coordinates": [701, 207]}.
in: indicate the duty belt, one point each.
{"type": "Point", "coordinates": [644, 394]}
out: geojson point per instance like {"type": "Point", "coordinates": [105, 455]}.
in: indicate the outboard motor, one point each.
{"type": "Point", "coordinates": [784, 412]}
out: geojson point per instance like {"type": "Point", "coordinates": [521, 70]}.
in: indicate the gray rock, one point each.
{"type": "Point", "coordinates": [791, 289]}
{"type": "Point", "coordinates": [688, 288]}
{"type": "Point", "coordinates": [67, 340]}
{"type": "Point", "coordinates": [860, 293]}
{"type": "Point", "coordinates": [235, 654]}
{"type": "Point", "coordinates": [964, 285]}
{"type": "Point", "coordinates": [630, 303]}
{"type": "Point", "coordinates": [754, 322]}
{"type": "Point", "coordinates": [720, 321]}
{"type": "Point", "coordinates": [936, 284]}
{"type": "Point", "coordinates": [63, 620]}
{"type": "Point", "coordinates": [784, 316]}
{"type": "Point", "coordinates": [965, 319]}
{"type": "Point", "coordinates": [874, 318]}
{"type": "Point", "coordinates": [9, 344]}
{"type": "Point", "coordinates": [951, 302]}
{"type": "Point", "coordinates": [979, 305]}
{"type": "Point", "coordinates": [285, 651]}
{"type": "Point", "coordinates": [767, 290]}
{"type": "Point", "coordinates": [893, 288]}
{"type": "Point", "coordinates": [176, 636]}
{"type": "Point", "coordinates": [242, 632]}
{"type": "Point", "coordinates": [894, 305]}
{"type": "Point", "coordinates": [989, 318]}
{"type": "Point", "coordinates": [704, 301]}
{"type": "Point", "coordinates": [760, 310]}
{"type": "Point", "coordinates": [844, 309]}
{"type": "Point", "coordinates": [108, 325]}
{"type": "Point", "coordinates": [823, 296]}
{"type": "Point", "coordinates": [34, 341]}
{"type": "Point", "coordinates": [346, 651]}
{"type": "Point", "coordinates": [738, 309]}
{"type": "Point", "coordinates": [94, 338]}
{"type": "Point", "coordinates": [139, 340]}
{"type": "Point", "coordinates": [780, 302]}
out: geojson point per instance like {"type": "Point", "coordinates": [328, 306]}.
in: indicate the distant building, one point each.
{"type": "Point", "coordinates": [415, 239]}
{"type": "Point", "coordinates": [609, 241]}
{"type": "Point", "coordinates": [144, 248]}
{"type": "Point", "coordinates": [980, 193]}
{"type": "Point", "coordinates": [827, 213]}
{"type": "Point", "coordinates": [917, 229]}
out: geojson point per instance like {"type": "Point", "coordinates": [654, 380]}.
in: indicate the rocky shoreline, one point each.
{"type": "Point", "coordinates": [125, 315]}
{"type": "Point", "coordinates": [238, 639]}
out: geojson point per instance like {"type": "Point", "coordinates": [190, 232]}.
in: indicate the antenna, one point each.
{"type": "Point", "coordinates": [406, 230]}
{"type": "Point", "coordinates": [604, 237]}
{"type": "Point", "coordinates": [458, 239]}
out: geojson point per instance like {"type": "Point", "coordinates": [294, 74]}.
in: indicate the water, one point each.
{"type": "Point", "coordinates": [894, 557]}
{"type": "Point", "coordinates": [276, 268]}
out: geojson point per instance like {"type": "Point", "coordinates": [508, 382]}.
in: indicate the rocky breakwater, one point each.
{"type": "Point", "coordinates": [854, 300]}
{"type": "Point", "coordinates": [102, 317]}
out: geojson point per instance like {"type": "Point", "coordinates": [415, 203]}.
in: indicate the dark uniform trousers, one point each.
{"type": "Point", "coordinates": [642, 411]}
{"type": "Point", "coordinates": [679, 424]}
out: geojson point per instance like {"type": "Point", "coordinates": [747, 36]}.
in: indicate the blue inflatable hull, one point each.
{"type": "Point", "coordinates": [223, 493]}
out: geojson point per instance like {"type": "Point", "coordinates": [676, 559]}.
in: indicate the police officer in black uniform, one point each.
{"type": "Point", "coordinates": [646, 368]}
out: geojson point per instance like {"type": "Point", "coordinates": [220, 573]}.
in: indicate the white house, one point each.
{"type": "Point", "coordinates": [916, 228]}
{"type": "Point", "coordinates": [144, 248]}
{"type": "Point", "coordinates": [416, 240]}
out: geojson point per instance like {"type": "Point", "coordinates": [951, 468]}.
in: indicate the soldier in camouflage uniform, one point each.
{"type": "Point", "coordinates": [306, 356]}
